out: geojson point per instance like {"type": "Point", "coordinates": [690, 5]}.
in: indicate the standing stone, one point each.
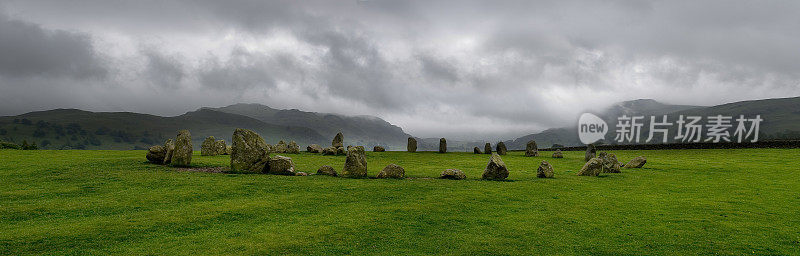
{"type": "Point", "coordinates": [637, 162]}
{"type": "Point", "coordinates": [340, 151]}
{"type": "Point", "coordinates": [280, 165]}
{"type": "Point", "coordinates": [228, 150]}
{"type": "Point", "coordinates": [182, 156]}
{"type": "Point", "coordinates": [453, 174]}
{"type": "Point", "coordinates": [293, 148]}
{"type": "Point", "coordinates": [442, 145]}
{"type": "Point", "coordinates": [477, 150]}
{"type": "Point", "coordinates": [280, 148]}
{"type": "Point", "coordinates": [169, 147]}
{"type": "Point", "coordinates": [248, 152]}
{"type": "Point", "coordinates": [496, 169]}
{"type": "Point", "coordinates": [221, 148]}
{"type": "Point", "coordinates": [501, 148]}
{"type": "Point", "coordinates": [592, 168]}
{"type": "Point", "coordinates": [378, 149]}
{"type": "Point", "coordinates": [591, 152]}
{"type": "Point", "coordinates": [209, 147]}
{"type": "Point", "coordinates": [558, 154]}
{"type": "Point", "coordinates": [269, 148]}
{"type": "Point", "coordinates": [355, 166]}
{"type": "Point", "coordinates": [412, 145]}
{"type": "Point", "coordinates": [314, 148]}
{"type": "Point", "coordinates": [327, 170]}
{"type": "Point", "coordinates": [156, 154]}
{"type": "Point", "coordinates": [487, 149]}
{"type": "Point", "coordinates": [545, 170]}
{"type": "Point", "coordinates": [392, 171]}
{"type": "Point", "coordinates": [329, 151]}
{"type": "Point", "coordinates": [610, 163]}
{"type": "Point", "coordinates": [338, 141]}
{"type": "Point", "coordinates": [531, 149]}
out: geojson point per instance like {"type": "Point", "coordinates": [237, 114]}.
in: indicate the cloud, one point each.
{"type": "Point", "coordinates": [465, 69]}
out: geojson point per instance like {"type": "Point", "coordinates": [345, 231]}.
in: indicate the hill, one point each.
{"type": "Point", "coordinates": [78, 129]}
{"type": "Point", "coordinates": [358, 130]}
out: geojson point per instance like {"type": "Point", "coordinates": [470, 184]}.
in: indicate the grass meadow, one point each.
{"type": "Point", "coordinates": [725, 202]}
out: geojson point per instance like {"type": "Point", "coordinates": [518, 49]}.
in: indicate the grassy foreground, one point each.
{"type": "Point", "coordinates": [683, 202]}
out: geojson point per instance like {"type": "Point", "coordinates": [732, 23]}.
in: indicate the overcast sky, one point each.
{"type": "Point", "coordinates": [462, 69]}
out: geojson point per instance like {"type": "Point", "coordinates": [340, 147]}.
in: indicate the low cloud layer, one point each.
{"type": "Point", "coordinates": [461, 69]}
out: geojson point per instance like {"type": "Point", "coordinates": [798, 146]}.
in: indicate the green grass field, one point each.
{"type": "Point", "coordinates": [727, 202]}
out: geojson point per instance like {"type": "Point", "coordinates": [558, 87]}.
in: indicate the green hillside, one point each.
{"type": "Point", "coordinates": [78, 129]}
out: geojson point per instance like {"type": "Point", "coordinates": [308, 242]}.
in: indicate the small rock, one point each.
{"type": "Point", "coordinates": [281, 165]}
{"type": "Point", "coordinates": [545, 170]}
{"type": "Point", "coordinates": [558, 154]}
{"type": "Point", "coordinates": [327, 170]}
{"type": "Point", "coordinates": [280, 148]}
{"type": "Point", "coordinates": [591, 152]}
{"type": "Point", "coordinates": [340, 151]}
{"type": "Point", "coordinates": [314, 148]}
{"type": "Point", "coordinates": [338, 140]}
{"type": "Point", "coordinates": [392, 171]}
{"type": "Point", "coordinates": [209, 147]}
{"type": "Point", "coordinates": [496, 169]}
{"type": "Point", "coordinates": [501, 148]}
{"type": "Point", "coordinates": [355, 165]}
{"type": "Point", "coordinates": [531, 149]}
{"type": "Point", "coordinates": [156, 154]}
{"type": "Point", "coordinates": [378, 149]}
{"type": "Point", "coordinates": [329, 151]}
{"type": "Point", "coordinates": [301, 174]}
{"type": "Point", "coordinates": [592, 168]}
{"type": "Point", "coordinates": [610, 163]}
{"type": "Point", "coordinates": [292, 148]}
{"type": "Point", "coordinates": [636, 162]}
{"type": "Point", "coordinates": [453, 174]}
{"type": "Point", "coordinates": [476, 150]}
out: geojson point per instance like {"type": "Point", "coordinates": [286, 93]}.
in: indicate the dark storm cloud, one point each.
{"type": "Point", "coordinates": [28, 50]}
{"type": "Point", "coordinates": [494, 68]}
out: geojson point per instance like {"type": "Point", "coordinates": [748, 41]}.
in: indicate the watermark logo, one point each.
{"type": "Point", "coordinates": [591, 128]}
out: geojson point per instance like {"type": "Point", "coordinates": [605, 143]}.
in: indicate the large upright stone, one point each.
{"type": "Point", "coordinates": [280, 148]}
{"type": "Point", "coordinates": [221, 148]}
{"type": "Point", "coordinates": [545, 170]}
{"type": "Point", "coordinates": [487, 149]}
{"type": "Point", "coordinates": [338, 140]}
{"type": "Point", "coordinates": [280, 165]}
{"type": "Point", "coordinates": [496, 169]}
{"type": "Point", "coordinates": [183, 149]}
{"type": "Point", "coordinates": [591, 152]}
{"type": "Point", "coordinates": [169, 147]}
{"type": "Point", "coordinates": [476, 150]}
{"type": "Point", "coordinates": [293, 148]}
{"type": "Point", "coordinates": [355, 166]}
{"type": "Point", "coordinates": [392, 171]}
{"type": "Point", "coordinates": [248, 152]}
{"type": "Point", "coordinates": [209, 147]}
{"type": "Point", "coordinates": [501, 148]}
{"type": "Point", "coordinates": [592, 168]}
{"type": "Point", "coordinates": [156, 154]}
{"type": "Point", "coordinates": [531, 149]}
{"type": "Point", "coordinates": [637, 162]}
{"type": "Point", "coordinates": [442, 145]}
{"type": "Point", "coordinates": [412, 145]}
{"type": "Point", "coordinates": [610, 163]}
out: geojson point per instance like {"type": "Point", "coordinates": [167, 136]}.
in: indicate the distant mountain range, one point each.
{"type": "Point", "coordinates": [78, 129]}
